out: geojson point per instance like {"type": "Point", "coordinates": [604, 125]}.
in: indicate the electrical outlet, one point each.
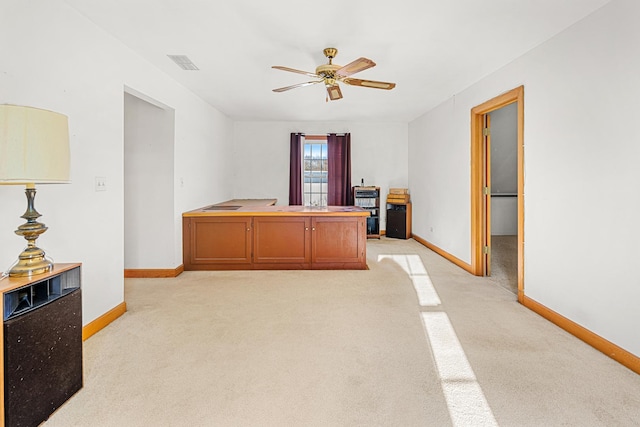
{"type": "Point", "coordinates": [101, 183]}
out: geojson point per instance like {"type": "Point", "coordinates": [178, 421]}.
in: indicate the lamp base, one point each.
{"type": "Point", "coordinates": [31, 261]}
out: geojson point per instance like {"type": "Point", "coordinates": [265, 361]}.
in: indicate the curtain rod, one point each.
{"type": "Point", "coordinates": [321, 134]}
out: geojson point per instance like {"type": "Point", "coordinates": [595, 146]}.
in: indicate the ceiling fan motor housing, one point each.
{"type": "Point", "coordinates": [328, 72]}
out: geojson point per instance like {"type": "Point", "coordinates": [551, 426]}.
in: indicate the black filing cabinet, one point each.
{"type": "Point", "coordinates": [42, 346]}
{"type": "Point", "coordinates": [399, 220]}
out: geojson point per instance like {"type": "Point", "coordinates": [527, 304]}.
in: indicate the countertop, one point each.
{"type": "Point", "coordinates": [253, 210]}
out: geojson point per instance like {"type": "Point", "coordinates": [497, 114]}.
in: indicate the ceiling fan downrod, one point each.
{"type": "Point", "coordinates": [330, 53]}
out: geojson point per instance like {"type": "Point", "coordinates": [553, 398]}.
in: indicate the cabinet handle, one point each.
{"type": "Point", "coordinates": [313, 229]}
{"type": "Point", "coordinates": [306, 229]}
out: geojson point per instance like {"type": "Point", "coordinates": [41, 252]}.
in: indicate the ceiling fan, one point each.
{"type": "Point", "coordinates": [330, 74]}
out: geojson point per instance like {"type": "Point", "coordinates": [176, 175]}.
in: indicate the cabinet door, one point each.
{"type": "Point", "coordinates": [283, 242]}
{"type": "Point", "coordinates": [217, 243]}
{"type": "Point", "coordinates": [339, 242]}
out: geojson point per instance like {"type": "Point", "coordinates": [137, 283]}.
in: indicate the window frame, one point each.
{"type": "Point", "coordinates": [307, 187]}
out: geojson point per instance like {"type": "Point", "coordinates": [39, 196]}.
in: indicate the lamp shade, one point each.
{"type": "Point", "coordinates": [34, 146]}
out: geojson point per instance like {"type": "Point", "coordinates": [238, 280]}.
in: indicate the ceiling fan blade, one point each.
{"type": "Point", "coordinates": [369, 83]}
{"type": "Point", "coordinates": [293, 70]}
{"type": "Point", "coordinates": [334, 92]}
{"type": "Point", "coordinates": [356, 66]}
{"type": "Point", "coordinates": [282, 89]}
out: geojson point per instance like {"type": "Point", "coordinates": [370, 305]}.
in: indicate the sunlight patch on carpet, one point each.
{"type": "Point", "coordinates": [414, 267]}
{"type": "Point", "coordinates": [465, 399]}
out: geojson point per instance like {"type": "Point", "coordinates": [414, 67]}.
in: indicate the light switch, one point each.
{"type": "Point", "coordinates": [101, 183]}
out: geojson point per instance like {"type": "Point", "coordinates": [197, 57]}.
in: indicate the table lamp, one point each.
{"type": "Point", "coordinates": [34, 149]}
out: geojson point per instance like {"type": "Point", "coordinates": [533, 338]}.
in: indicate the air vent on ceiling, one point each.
{"type": "Point", "coordinates": [183, 62]}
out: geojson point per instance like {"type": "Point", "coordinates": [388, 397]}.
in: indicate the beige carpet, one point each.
{"type": "Point", "coordinates": [504, 262]}
{"type": "Point", "coordinates": [342, 348]}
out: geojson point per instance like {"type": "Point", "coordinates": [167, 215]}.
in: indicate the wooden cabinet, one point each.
{"type": "Point", "coordinates": [283, 242]}
{"type": "Point", "coordinates": [222, 241]}
{"type": "Point", "coordinates": [338, 242]}
{"type": "Point", "coordinates": [275, 242]}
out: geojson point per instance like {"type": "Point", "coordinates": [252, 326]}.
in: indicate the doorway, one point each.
{"type": "Point", "coordinates": [506, 197]}
{"type": "Point", "coordinates": [149, 218]}
{"type": "Point", "coordinates": [502, 144]}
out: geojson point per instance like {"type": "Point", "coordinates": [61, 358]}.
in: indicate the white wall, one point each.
{"type": "Point", "coordinates": [439, 178]}
{"type": "Point", "coordinates": [581, 92]}
{"type": "Point", "coordinates": [148, 184]}
{"type": "Point", "coordinates": [63, 62]}
{"type": "Point", "coordinates": [504, 216]}
{"type": "Point", "coordinates": [378, 154]}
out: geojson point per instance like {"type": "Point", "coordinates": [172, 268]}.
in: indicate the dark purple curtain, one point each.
{"type": "Point", "coordinates": [295, 170]}
{"type": "Point", "coordinates": [339, 179]}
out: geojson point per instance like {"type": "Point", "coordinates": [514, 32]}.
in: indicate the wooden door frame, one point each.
{"type": "Point", "coordinates": [478, 214]}
{"type": "Point", "coordinates": [486, 198]}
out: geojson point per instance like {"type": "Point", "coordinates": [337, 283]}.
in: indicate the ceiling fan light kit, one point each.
{"type": "Point", "coordinates": [330, 74]}
{"type": "Point", "coordinates": [334, 92]}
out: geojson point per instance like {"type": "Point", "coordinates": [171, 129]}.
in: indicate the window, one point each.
{"type": "Point", "coordinates": [314, 171]}
{"type": "Point", "coordinates": [320, 170]}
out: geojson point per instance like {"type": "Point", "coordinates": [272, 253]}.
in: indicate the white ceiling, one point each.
{"type": "Point", "coordinates": [432, 49]}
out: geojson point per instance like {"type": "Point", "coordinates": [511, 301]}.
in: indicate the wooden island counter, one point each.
{"type": "Point", "coordinates": [259, 237]}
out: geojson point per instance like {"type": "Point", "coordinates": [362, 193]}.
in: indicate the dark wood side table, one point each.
{"type": "Point", "coordinates": [41, 348]}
